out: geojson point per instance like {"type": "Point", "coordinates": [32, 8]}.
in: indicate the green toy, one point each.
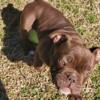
{"type": "Point", "coordinates": [33, 37]}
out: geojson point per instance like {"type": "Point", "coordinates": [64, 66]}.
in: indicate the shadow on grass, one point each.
{"type": "Point", "coordinates": [3, 95]}
{"type": "Point", "coordinates": [11, 41]}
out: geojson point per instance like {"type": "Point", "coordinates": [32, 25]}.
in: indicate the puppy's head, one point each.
{"type": "Point", "coordinates": [74, 63]}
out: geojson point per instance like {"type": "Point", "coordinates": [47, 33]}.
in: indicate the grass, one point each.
{"type": "Point", "coordinates": [23, 82]}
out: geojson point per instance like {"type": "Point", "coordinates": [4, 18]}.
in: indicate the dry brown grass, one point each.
{"type": "Point", "coordinates": [23, 82]}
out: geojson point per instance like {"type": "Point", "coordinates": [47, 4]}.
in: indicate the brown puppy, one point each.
{"type": "Point", "coordinates": [59, 46]}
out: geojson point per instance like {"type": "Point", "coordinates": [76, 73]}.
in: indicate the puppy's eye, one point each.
{"type": "Point", "coordinates": [62, 62]}
{"type": "Point", "coordinates": [67, 75]}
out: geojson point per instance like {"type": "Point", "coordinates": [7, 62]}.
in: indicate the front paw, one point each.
{"type": "Point", "coordinates": [75, 97]}
{"type": "Point", "coordinates": [39, 68]}
{"type": "Point", "coordinates": [37, 65]}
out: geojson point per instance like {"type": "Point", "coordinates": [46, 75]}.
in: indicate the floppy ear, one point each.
{"type": "Point", "coordinates": [58, 38]}
{"type": "Point", "coordinates": [96, 52]}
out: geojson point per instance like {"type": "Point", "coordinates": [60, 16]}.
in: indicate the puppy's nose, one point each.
{"type": "Point", "coordinates": [71, 79]}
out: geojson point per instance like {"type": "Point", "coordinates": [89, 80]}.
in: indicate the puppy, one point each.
{"type": "Point", "coordinates": [59, 46]}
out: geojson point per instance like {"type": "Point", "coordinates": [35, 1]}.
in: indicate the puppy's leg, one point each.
{"type": "Point", "coordinates": [37, 61]}
{"type": "Point", "coordinates": [26, 21]}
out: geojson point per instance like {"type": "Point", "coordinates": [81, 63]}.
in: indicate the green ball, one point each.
{"type": "Point", "coordinates": [33, 37]}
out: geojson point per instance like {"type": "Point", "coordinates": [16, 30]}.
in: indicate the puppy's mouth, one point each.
{"type": "Point", "coordinates": [65, 91]}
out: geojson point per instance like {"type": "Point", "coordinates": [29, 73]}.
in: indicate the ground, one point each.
{"type": "Point", "coordinates": [19, 81]}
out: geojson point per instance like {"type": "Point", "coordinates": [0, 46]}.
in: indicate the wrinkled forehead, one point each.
{"type": "Point", "coordinates": [79, 54]}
